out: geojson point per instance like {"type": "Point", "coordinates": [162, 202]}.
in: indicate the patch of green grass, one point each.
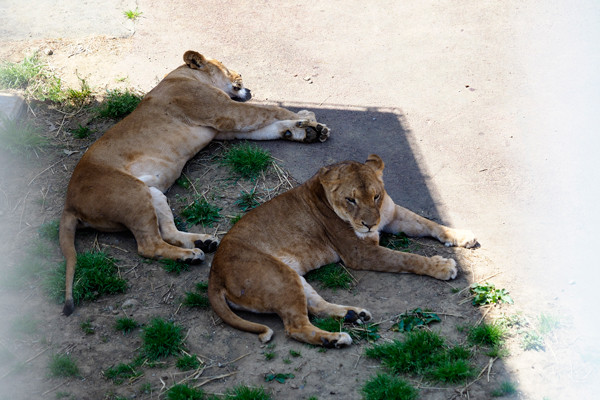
{"type": "Point", "coordinates": [49, 230]}
{"type": "Point", "coordinates": [33, 75]}
{"type": "Point", "coordinates": [62, 366]}
{"type": "Point", "coordinates": [386, 387]}
{"type": "Point", "coordinates": [19, 75]}
{"type": "Point", "coordinates": [425, 353]}
{"type": "Point", "coordinates": [118, 103]}
{"type": "Point", "coordinates": [278, 377]}
{"type": "Point", "coordinates": [132, 14]}
{"type": "Point", "coordinates": [332, 276]}
{"type": "Point", "coordinates": [202, 212]}
{"type": "Point", "coordinates": [269, 355]}
{"type": "Point", "coordinates": [161, 339]}
{"type": "Point", "coordinates": [235, 219]}
{"type": "Point", "coordinates": [29, 268]}
{"type": "Point", "coordinates": [506, 388]}
{"type": "Point", "coordinates": [95, 274]}
{"type": "Point", "coordinates": [183, 182]}
{"type": "Point", "coordinates": [184, 392]}
{"type": "Point", "coordinates": [367, 331]}
{"type": "Point", "coordinates": [399, 242]}
{"type": "Point", "coordinates": [121, 373]}
{"type": "Point", "coordinates": [295, 353]}
{"type": "Point", "coordinates": [174, 266]}
{"type": "Point", "coordinates": [414, 319]}
{"type": "Point", "coordinates": [87, 327]}
{"type": "Point", "coordinates": [198, 299]}
{"type": "Point", "coordinates": [247, 160]}
{"type": "Point", "coordinates": [547, 323]}
{"type": "Point", "coordinates": [81, 132]}
{"type": "Point", "coordinates": [24, 325]}
{"type": "Point", "coordinates": [126, 325]}
{"type": "Point", "coordinates": [78, 98]}
{"type": "Point", "coordinates": [187, 362]}
{"type": "Point", "coordinates": [531, 340]}
{"type": "Point", "coordinates": [20, 137]}
{"type": "Point", "coordinates": [242, 392]}
{"type": "Point", "coordinates": [247, 201]}
{"type": "Point", "coordinates": [487, 334]}
{"type": "Point", "coordinates": [487, 293]}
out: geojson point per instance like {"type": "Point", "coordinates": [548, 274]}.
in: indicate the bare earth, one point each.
{"type": "Point", "coordinates": [437, 97]}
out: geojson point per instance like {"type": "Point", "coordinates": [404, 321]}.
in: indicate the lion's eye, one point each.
{"type": "Point", "coordinates": [377, 197]}
{"type": "Point", "coordinates": [351, 200]}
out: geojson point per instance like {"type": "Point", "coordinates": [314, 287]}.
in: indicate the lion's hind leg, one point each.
{"type": "Point", "coordinates": [319, 307]}
{"type": "Point", "coordinates": [169, 231]}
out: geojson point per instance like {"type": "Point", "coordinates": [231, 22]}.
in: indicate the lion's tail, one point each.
{"type": "Point", "coordinates": [68, 226]}
{"type": "Point", "coordinates": [222, 309]}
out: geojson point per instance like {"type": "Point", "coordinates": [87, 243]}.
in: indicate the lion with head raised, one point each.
{"type": "Point", "coordinates": [336, 215]}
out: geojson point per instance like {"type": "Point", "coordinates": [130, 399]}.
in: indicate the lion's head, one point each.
{"type": "Point", "coordinates": [355, 191]}
{"type": "Point", "coordinates": [225, 79]}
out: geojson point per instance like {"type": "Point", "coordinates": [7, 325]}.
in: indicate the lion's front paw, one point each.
{"type": "Point", "coordinates": [193, 256]}
{"type": "Point", "coordinates": [319, 132]}
{"type": "Point", "coordinates": [443, 268]}
{"type": "Point", "coordinates": [208, 246]}
{"type": "Point", "coordinates": [337, 340]}
{"type": "Point", "coordinates": [461, 238]}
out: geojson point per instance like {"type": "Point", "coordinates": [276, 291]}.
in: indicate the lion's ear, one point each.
{"type": "Point", "coordinates": [376, 163]}
{"type": "Point", "coordinates": [329, 176]}
{"type": "Point", "coordinates": [194, 59]}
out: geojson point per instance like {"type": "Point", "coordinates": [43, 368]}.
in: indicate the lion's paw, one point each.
{"type": "Point", "coordinates": [443, 268]}
{"type": "Point", "coordinates": [461, 238]}
{"type": "Point", "coordinates": [208, 246]}
{"type": "Point", "coordinates": [357, 316]}
{"type": "Point", "coordinates": [338, 340]}
{"type": "Point", "coordinates": [195, 256]}
{"type": "Point", "coordinates": [265, 337]}
{"type": "Point", "coordinates": [319, 132]}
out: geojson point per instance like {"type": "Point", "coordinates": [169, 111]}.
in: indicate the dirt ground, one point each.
{"type": "Point", "coordinates": [32, 192]}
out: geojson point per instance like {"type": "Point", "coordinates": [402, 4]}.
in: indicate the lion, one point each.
{"type": "Point", "coordinates": [336, 215]}
{"type": "Point", "coordinates": [120, 181]}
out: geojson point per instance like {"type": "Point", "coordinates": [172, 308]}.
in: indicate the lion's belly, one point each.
{"type": "Point", "coordinates": [307, 262]}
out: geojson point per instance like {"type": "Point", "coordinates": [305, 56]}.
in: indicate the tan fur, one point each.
{"type": "Point", "coordinates": [336, 215]}
{"type": "Point", "coordinates": [119, 182]}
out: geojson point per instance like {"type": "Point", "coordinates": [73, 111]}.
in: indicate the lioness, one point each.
{"type": "Point", "coordinates": [119, 182]}
{"type": "Point", "coordinates": [336, 215]}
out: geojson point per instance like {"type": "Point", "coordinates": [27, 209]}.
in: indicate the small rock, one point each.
{"type": "Point", "coordinates": [130, 305]}
{"type": "Point", "coordinates": [48, 51]}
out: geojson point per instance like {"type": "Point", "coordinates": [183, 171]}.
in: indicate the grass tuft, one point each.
{"type": "Point", "coordinates": [161, 339]}
{"type": "Point", "coordinates": [506, 388]}
{"type": "Point", "coordinates": [184, 392]}
{"type": "Point", "coordinates": [126, 325]}
{"type": "Point", "coordinates": [49, 230]}
{"type": "Point", "coordinates": [121, 372]}
{"type": "Point", "coordinates": [198, 298]}
{"type": "Point", "coordinates": [20, 137]}
{"type": "Point", "coordinates": [132, 14]}
{"type": "Point", "coordinates": [174, 266]}
{"type": "Point", "coordinates": [62, 366]}
{"type": "Point", "coordinates": [242, 392]}
{"type": "Point", "coordinates": [202, 212]}
{"type": "Point", "coordinates": [118, 103]}
{"type": "Point", "coordinates": [399, 242]}
{"type": "Point", "coordinates": [81, 132]}
{"type": "Point", "coordinates": [486, 293]}
{"type": "Point", "coordinates": [332, 276]}
{"type": "Point", "coordinates": [387, 387]}
{"type": "Point", "coordinates": [247, 201]}
{"type": "Point", "coordinates": [187, 362]}
{"type": "Point", "coordinates": [487, 334]}
{"type": "Point", "coordinates": [425, 353]}
{"type": "Point", "coordinates": [247, 160]}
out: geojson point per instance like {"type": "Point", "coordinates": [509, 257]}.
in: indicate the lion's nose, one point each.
{"type": "Point", "coordinates": [368, 226]}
